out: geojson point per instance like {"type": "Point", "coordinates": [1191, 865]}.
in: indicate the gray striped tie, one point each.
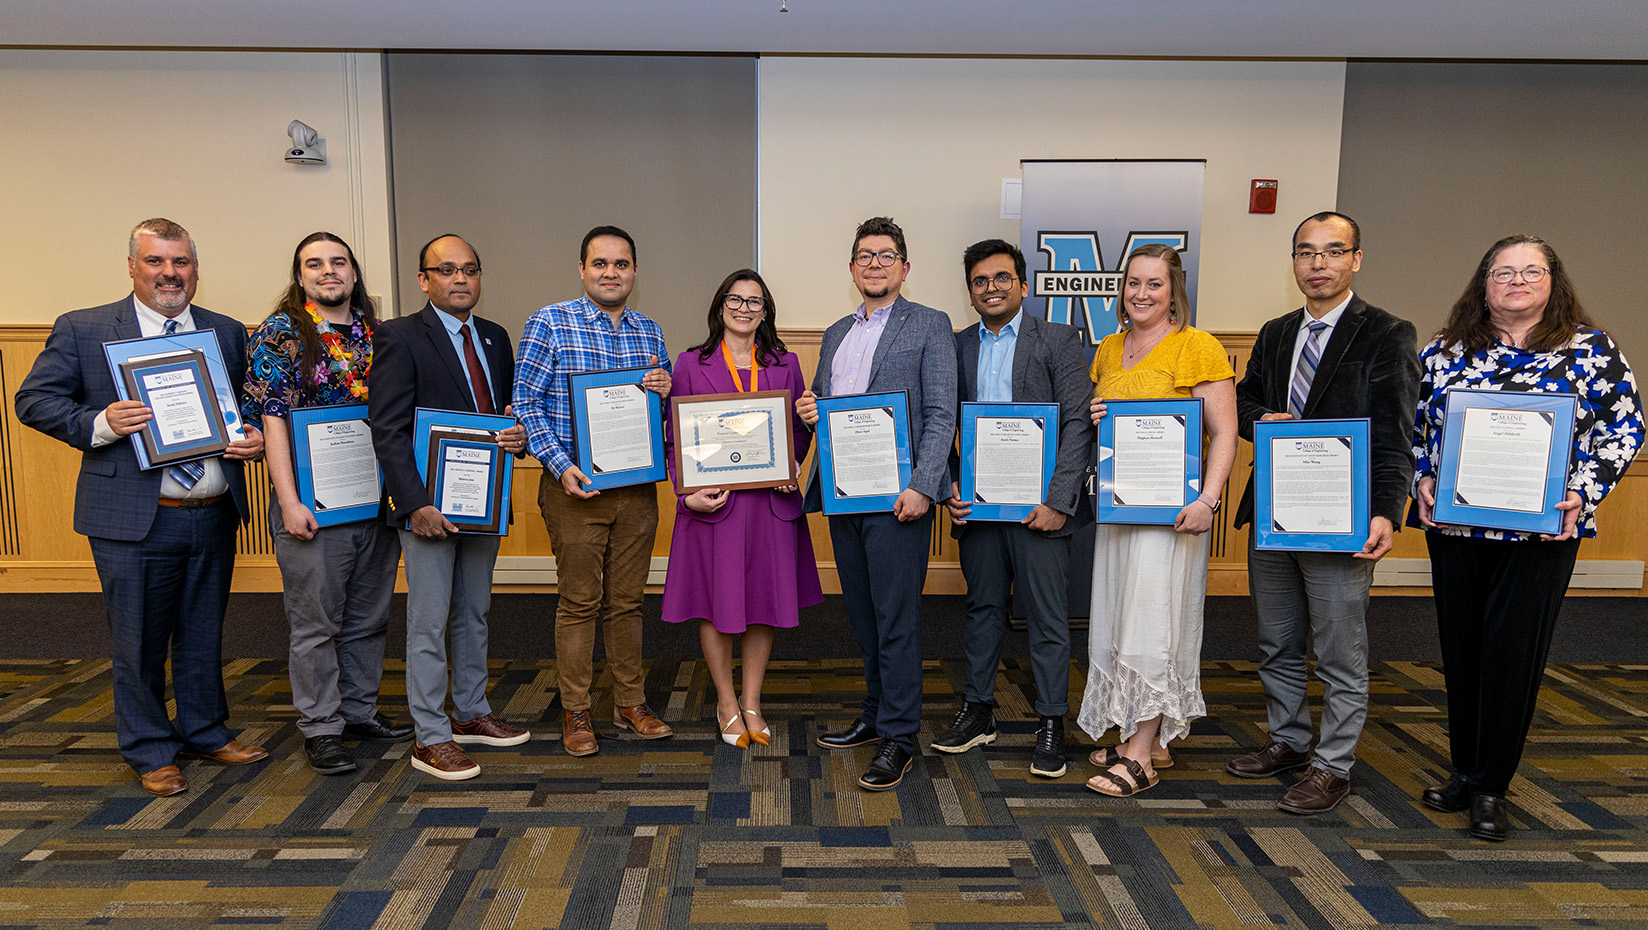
{"type": "Point", "coordinates": [1306, 370]}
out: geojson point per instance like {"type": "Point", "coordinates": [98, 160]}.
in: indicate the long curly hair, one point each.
{"type": "Point", "coordinates": [1470, 327]}
{"type": "Point", "coordinates": [292, 299]}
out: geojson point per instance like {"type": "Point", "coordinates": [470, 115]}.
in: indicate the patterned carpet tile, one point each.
{"type": "Point", "coordinates": [689, 832]}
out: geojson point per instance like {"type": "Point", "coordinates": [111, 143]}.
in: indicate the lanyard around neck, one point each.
{"type": "Point", "coordinates": [732, 369]}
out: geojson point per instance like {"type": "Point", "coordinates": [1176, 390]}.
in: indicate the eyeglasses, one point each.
{"type": "Point", "coordinates": [1306, 256]}
{"type": "Point", "coordinates": [735, 302]}
{"type": "Point", "coordinates": [1001, 281]}
{"type": "Point", "coordinates": [448, 270]}
{"type": "Point", "coordinates": [883, 258]}
{"type": "Point", "coordinates": [1533, 274]}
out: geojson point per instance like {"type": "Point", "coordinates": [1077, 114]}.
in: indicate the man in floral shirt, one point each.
{"type": "Point", "coordinates": [315, 350]}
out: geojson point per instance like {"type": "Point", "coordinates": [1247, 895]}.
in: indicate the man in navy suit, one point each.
{"type": "Point", "coordinates": [163, 539]}
{"type": "Point", "coordinates": [1014, 357]}
{"type": "Point", "coordinates": [446, 358]}
{"type": "Point", "coordinates": [888, 344]}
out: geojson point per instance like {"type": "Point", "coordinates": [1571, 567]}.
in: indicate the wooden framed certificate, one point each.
{"type": "Point", "coordinates": [467, 474]}
{"type": "Point", "coordinates": [1007, 455]}
{"type": "Point", "coordinates": [1505, 458]}
{"type": "Point", "coordinates": [337, 470]}
{"type": "Point", "coordinates": [1311, 485]}
{"type": "Point", "coordinates": [733, 441]}
{"type": "Point", "coordinates": [175, 435]}
{"type": "Point", "coordinates": [863, 452]}
{"type": "Point", "coordinates": [1150, 460]}
{"type": "Point", "coordinates": [618, 428]}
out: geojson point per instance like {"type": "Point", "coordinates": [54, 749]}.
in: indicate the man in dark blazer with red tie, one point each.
{"type": "Point", "coordinates": [163, 540]}
{"type": "Point", "coordinates": [1336, 357]}
{"type": "Point", "coordinates": [442, 357]}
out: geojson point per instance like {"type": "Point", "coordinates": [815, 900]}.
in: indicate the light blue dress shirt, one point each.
{"type": "Point", "coordinates": [454, 329]}
{"type": "Point", "coordinates": [995, 360]}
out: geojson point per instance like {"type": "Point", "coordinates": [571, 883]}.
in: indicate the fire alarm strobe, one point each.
{"type": "Point", "coordinates": [1262, 197]}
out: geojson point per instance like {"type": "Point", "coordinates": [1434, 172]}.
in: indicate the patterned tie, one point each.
{"type": "Point", "coordinates": [477, 375]}
{"type": "Point", "coordinates": [1306, 370]}
{"type": "Point", "coordinates": [186, 474]}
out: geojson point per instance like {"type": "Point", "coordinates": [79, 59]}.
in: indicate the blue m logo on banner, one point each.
{"type": "Point", "coordinates": [1076, 272]}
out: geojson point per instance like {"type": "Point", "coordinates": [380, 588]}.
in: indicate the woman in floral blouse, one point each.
{"type": "Point", "coordinates": [1517, 327]}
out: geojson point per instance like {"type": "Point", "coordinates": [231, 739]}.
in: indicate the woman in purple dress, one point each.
{"type": "Point", "coordinates": [741, 562]}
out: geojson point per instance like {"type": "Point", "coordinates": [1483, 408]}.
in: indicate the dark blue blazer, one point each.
{"type": "Point", "coordinates": [414, 365]}
{"type": "Point", "coordinates": [1049, 367]}
{"type": "Point", "coordinates": [70, 385]}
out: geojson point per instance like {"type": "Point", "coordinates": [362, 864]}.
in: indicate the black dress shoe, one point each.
{"type": "Point", "coordinates": [859, 734]}
{"type": "Point", "coordinates": [1451, 796]}
{"type": "Point", "coordinates": [888, 769]}
{"type": "Point", "coordinates": [328, 755]}
{"type": "Point", "coordinates": [379, 727]}
{"type": "Point", "coordinates": [1488, 818]}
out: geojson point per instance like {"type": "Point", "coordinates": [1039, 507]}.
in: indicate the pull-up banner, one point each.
{"type": "Point", "coordinates": [1079, 220]}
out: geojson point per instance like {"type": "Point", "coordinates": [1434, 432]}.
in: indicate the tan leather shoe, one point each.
{"type": "Point", "coordinates": [488, 730]}
{"type": "Point", "coordinates": [1319, 791]}
{"type": "Point", "coordinates": [163, 782]}
{"type": "Point", "coordinates": [577, 733]}
{"type": "Point", "coordinates": [234, 752]}
{"type": "Point", "coordinates": [444, 760]}
{"type": "Point", "coordinates": [642, 721]}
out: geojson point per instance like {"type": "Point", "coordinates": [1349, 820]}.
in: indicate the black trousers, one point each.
{"type": "Point", "coordinates": [1496, 608]}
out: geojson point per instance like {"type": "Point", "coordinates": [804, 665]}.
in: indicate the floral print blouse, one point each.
{"type": "Point", "coordinates": [272, 369]}
{"type": "Point", "coordinates": [1607, 433]}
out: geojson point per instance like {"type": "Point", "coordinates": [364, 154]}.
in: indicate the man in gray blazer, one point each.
{"type": "Point", "coordinates": [888, 344]}
{"type": "Point", "coordinates": [1013, 357]}
{"type": "Point", "coordinates": [163, 539]}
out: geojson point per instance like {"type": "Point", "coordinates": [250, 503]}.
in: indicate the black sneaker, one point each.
{"type": "Point", "coordinates": [1048, 758]}
{"type": "Point", "coordinates": [328, 755]}
{"type": "Point", "coordinates": [975, 725]}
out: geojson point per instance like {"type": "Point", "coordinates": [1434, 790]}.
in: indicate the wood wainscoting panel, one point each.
{"type": "Point", "coordinates": [40, 552]}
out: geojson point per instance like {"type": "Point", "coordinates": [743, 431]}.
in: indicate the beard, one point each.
{"type": "Point", "coordinates": [331, 301]}
{"type": "Point", "coordinates": [167, 301]}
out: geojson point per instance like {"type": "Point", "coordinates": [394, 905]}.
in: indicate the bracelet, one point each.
{"type": "Point", "coordinates": [1213, 507]}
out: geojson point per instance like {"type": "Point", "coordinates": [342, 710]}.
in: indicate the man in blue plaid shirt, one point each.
{"type": "Point", "coordinates": [602, 539]}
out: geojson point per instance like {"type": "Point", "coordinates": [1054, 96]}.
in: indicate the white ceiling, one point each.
{"type": "Point", "coordinates": [1496, 29]}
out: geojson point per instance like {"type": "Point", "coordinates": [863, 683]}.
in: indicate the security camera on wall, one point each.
{"type": "Point", "coordinates": [308, 148]}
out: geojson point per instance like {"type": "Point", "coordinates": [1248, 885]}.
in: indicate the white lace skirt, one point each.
{"type": "Point", "coordinates": [1145, 635]}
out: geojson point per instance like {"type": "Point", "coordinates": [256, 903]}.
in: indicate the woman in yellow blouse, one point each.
{"type": "Point", "coordinates": [1145, 636]}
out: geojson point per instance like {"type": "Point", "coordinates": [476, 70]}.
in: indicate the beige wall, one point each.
{"type": "Point", "coordinates": [929, 140]}
{"type": "Point", "coordinates": [99, 140]}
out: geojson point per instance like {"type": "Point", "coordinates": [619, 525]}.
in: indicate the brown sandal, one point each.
{"type": "Point", "coordinates": [1116, 787]}
{"type": "Point", "coordinates": [1105, 758]}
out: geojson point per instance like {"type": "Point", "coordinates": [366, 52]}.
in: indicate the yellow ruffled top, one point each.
{"type": "Point", "coordinates": [1178, 363]}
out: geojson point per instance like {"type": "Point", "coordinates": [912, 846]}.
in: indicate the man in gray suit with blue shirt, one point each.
{"type": "Point", "coordinates": [163, 539]}
{"type": "Point", "coordinates": [1014, 357]}
{"type": "Point", "coordinates": [888, 344]}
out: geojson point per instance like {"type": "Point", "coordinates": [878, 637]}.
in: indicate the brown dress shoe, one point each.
{"type": "Point", "coordinates": [488, 730]}
{"type": "Point", "coordinates": [163, 782]}
{"type": "Point", "coordinates": [1276, 757]}
{"type": "Point", "coordinates": [444, 760]}
{"type": "Point", "coordinates": [577, 733]}
{"type": "Point", "coordinates": [1320, 790]}
{"type": "Point", "coordinates": [642, 720]}
{"type": "Point", "coordinates": [234, 752]}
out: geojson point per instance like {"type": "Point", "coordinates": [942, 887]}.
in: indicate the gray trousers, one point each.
{"type": "Point", "coordinates": [336, 588]}
{"type": "Point", "coordinates": [1322, 596]}
{"type": "Point", "coordinates": [996, 558]}
{"type": "Point", "coordinates": [448, 592]}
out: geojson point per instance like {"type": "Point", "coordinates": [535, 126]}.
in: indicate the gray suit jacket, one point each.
{"type": "Point", "coordinates": [70, 385]}
{"type": "Point", "coordinates": [916, 355]}
{"type": "Point", "coordinates": [1049, 366]}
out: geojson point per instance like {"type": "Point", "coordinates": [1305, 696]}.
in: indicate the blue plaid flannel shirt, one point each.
{"type": "Point", "coordinates": [568, 337]}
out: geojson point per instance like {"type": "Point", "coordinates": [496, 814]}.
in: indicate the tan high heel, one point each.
{"type": "Point", "coordinates": [741, 740]}
{"type": "Point", "coordinates": [761, 737]}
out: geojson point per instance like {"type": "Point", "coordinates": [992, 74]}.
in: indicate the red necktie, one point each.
{"type": "Point", "coordinates": [477, 375]}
